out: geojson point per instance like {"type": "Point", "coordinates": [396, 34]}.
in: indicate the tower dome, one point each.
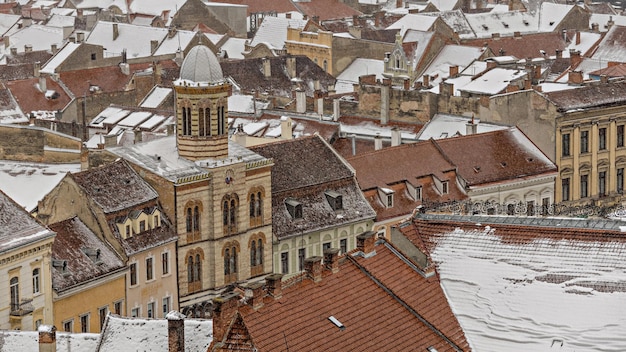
{"type": "Point", "coordinates": [201, 66]}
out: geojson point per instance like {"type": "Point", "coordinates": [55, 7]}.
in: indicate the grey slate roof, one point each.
{"type": "Point", "coordinates": [588, 97]}
{"type": "Point", "coordinates": [17, 227]}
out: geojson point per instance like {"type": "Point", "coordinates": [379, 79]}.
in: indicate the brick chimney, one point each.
{"type": "Point", "coordinates": [575, 77]}
{"type": "Point", "coordinates": [313, 268]}
{"type": "Point", "coordinates": [175, 331]}
{"type": "Point", "coordinates": [116, 31]}
{"type": "Point", "coordinates": [255, 294]}
{"type": "Point", "coordinates": [406, 84]}
{"type": "Point", "coordinates": [454, 71]}
{"type": "Point", "coordinates": [267, 68]}
{"type": "Point", "coordinates": [574, 58]}
{"type": "Point", "coordinates": [224, 309]}
{"type": "Point", "coordinates": [577, 37]}
{"type": "Point", "coordinates": [274, 285]}
{"type": "Point", "coordinates": [559, 53]}
{"type": "Point", "coordinates": [396, 137]}
{"type": "Point", "coordinates": [426, 81]}
{"type": "Point", "coordinates": [331, 259]}
{"type": "Point", "coordinates": [47, 338]}
{"type": "Point", "coordinates": [365, 242]}
{"type": "Point", "coordinates": [378, 142]}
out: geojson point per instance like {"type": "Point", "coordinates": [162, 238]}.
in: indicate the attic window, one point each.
{"type": "Point", "coordinates": [93, 56]}
{"type": "Point", "coordinates": [335, 200]}
{"type": "Point", "coordinates": [476, 169]}
{"type": "Point", "coordinates": [525, 22]}
{"type": "Point", "coordinates": [506, 25]}
{"type": "Point", "coordinates": [503, 164]}
{"type": "Point", "coordinates": [337, 323]}
{"type": "Point", "coordinates": [60, 264]}
{"type": "Point", "coordinates": [431, 349]}
{"type": "Point", "coordinates": [294, 208]}
{"type": "Point", "coordinates": [93, 254]}
{"type": "Point", "coordinates": [418, 193]}
{"type": "Point", "coordinates": [485, 27]}
{"type": "Point", "coordinates": [387, 197]}
{"type": "Point", "coordinates": [551, 23]}
{"type": "Point", "coordinates": [51, 94]}
{"type": "Point", "coordinates": [444, 187]}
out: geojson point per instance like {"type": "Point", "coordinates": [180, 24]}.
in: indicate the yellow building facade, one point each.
{"type": "Point", "coordinates": [317, 46]}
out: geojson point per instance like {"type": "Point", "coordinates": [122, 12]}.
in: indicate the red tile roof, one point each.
{"type": "Point", "coordinates": [374, 298]}
{"type": "Point", "coordinates": [30, 98]}
{"type": "Point", "coordinates": [280, 6]}
{"type": "Point", "coordinates": [326, 9]}
{"type": "Point", "coordinates": [528, 45]}
{"type": "Point", "coordinates": [495, 156]}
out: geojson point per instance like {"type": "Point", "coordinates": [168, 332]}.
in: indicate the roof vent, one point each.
{"type": "Point", "coordinates": [337, 323]}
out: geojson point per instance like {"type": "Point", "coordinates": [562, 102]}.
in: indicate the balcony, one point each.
{"type": "Point", "coordinates": [25, 307]}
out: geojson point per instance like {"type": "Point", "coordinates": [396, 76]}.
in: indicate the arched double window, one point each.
{"type": "Point", "coordinates": [194, 261]}
{"type": "Point", "coordinates": [255, 204]}
{"type": "Point", "coordinates": [230, 204]}
{"type": "Point", "coordinates": [193, 212]}
{"type": "Point", "coordinates": [231, 267]}
{"type": "Point", "coordinates": [186, 121]}
{"type": "Point", "coordinates": [204, 121]}
{"type": "Point", "coordinates": [256, 245]}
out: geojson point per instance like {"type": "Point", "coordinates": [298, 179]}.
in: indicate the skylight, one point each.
{"type": "Point", "coordinates": [337, 323]}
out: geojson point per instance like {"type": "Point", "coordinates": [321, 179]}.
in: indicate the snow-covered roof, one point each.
{"type": "Point", "coordinates": [612, 47]}
{"type": "Point", "coordinates": [603, 19]}
{"type": "Point", "coordinates": [137, 334]}
{"type": "Point", "coordinates": [156, 7]}
{"type": "Point", "coordinates": [7, 22]}
{"type": "Point", "coordinates": [369, 129]}
{"type": "Point", "coordinates": [134, 39]}
{"type": "Point", "coordinates": [234, 47]}
{"type": "Point", "coordinates": [446, 126]}
{"type": "Point", "coordinates": [156, 97]}
{"type": "Point", "coordinates": [61, 21]}
{"type": "Point", "coordinates": [545, 294]}
{"type": "Point", "coordinates": [444, 5]}
{"type": "Point", "coordinates": [152, 122]}
{"type": "Point", "coordinates": [504, 23]}
{"type": "Point", "coordinates": [273, 31]}
{"type": "Point", "coordinates": [13, 340]}
{"type": "Point", "coordinates": [493, 81]}
{"type": "Point", "coordinates": [134, 119]}
{"type": "Point", "coordinates": [587, 41]}
{"type": "Point", "coordinates": [357, 68]}
{"type": "Point", "coordinates": [109, 116]}
{"type": "Point", "coordinates": [38, 36]}
{"type": "Point", "coordinates": [180, 40]}
{"type": "Point", "coordinates": [60, 57]}
{"type": "Point", "coordinates": [102, 4]}
{"type": "Point", "coordinates": [413, 21]}
{"type": "Point", "coordinates": [243, 104]}
{"type": "Point", "coordinates": [551, 15]}
{"type": "Point", "coordinates": [554, 87]}
{"type": "Point", "coordinates": [457, 21]}
{"type": "Point", "coordinates": [28, 182]}
{"type": "Point", "coordinates": [451, 55]}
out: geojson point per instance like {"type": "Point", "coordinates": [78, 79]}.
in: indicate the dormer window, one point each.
{"type": "Point", "coordinates": [444, 187]}
{"type": "Point", "coordinates": [335, 200]}
{"type": "Point", "coordinates": [294, 208]}
{"type": "Point", "coordinates": [386, 196]}
{"type": "Point", "coordinates": [418, 193]}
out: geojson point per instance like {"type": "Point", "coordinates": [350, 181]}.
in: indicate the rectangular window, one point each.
{"type": "Point", "coordinates": [620, 180]}
{"type": "Point", "coordinates": [325, 246]}
{"type": "Point", "coordinates": [390, 200]}
{"type": "Point", "coordinates": [565, 189]}
{"type": "Point", "coordinates": [142, 226]}
{"type": "Point", "coordinates": [68, 326]}
{"type": "Point", "coordinates": [444, 187]}
{"type": "Point", "coordinates": [602, 183]}
{"type": "Point", "coordinates": [156, 221]}
{"type": "Point", "coordinates": [149, 275]}
{"type": "Point", "coordinates": [584, 186]}
{"type": "Point", "coordinates": [530, 208]}
{"type": "Point", "coordinates": [620, 135]}
{"type": "Point", "coordinates": [584, 142]}
{"type": "Point", "coordinates": [133, 274]}
{"type": "Point", "coordinates": [127, 231]}
{"type": "Point", "coordinates": [166, 305]}
{"type": "Point", "coordinates": [102, 314]}
{"type": "Point", "coordinates": [151, 310]}
{"type": "Point", "coordinates": [36, 280]}
{"type": "Point", "coordinates": [343, 245]}
{"type": "Point", "coordinates": [284, 262]}
{"type": "Point", "coordinates": [165, 262]}
{"type": "Point", "coordinates": [565, 144]}
{"type": "Point", "coordinates": [602, 138]}
{"type": "Point", "coordinates": [84, 323]}
{"type": "Point", "coordinates": [301, 257]}
{"type": "Point", "coordinates": [545, 206]}
{"type": "Point", "coordinates": [418, 193]}
{"type": "Point", "coordinates": [134, 312]}
{"type": "Point", "coordinates": [118, 307]}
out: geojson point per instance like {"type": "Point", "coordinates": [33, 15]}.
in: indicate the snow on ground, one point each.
{"type": "Point", "coordinates": [535, 296]}
{"type": "Point", "coordinates": [27, 183]}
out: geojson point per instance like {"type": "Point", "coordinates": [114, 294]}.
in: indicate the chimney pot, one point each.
{"type": "Point", "coordinates": [365, 242]}
{"type": "Point", "coordinates": [274, 285]}
{"type": "Point", "coordinates": [224, 308]}
{"type": "Point", "coordinates": [47, 338]}
{"type": "Point", "coordinates": [378, 142]}
{"type": "Point", "coordinates": [175, 331]}
{"type": "Point", "coordinates": [313, 268]}
{"type": "Point", "coordinates": [331, 259]}
{"type": "Point", "coordinates": [255, 295]}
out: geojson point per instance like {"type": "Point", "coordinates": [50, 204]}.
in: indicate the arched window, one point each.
{"type": "Point", "coordinates": [190, 277]}
{"type": "Point", "coordinates": [225, 213]}
{"type": "Point", "coordinates": [253, 254]}
{"type": "Point", "coordinates": [227, 262]}
{"type": "Point", "coordinates": [197, 271]}
{"type": "Point", "coordinates": [230, 203]}
{"type": "Point", "coordinates": [207, 121]}
{"type": "Point", "coordinates": [196, 219]}
{"type": "Point", "coordinates": [259, 252]}
{"type": "Point", "coordinates": [220, 120]}
{"type": "Point", "coordinates": [186, 121]}
{"type": "Point", "coordinates": [256, 207]}
{"type": "Point", "coordinates": [232, 212]}
{"type": "Point", "coordinates": [189, 220]}
{"type": "Point", "coordinates": [252, 206]}
{"type": "Point", "coordinates": [201, 123]}
{"type": "Point", "coordinates": [325, 65]}
{"type": "Point", "coordinates": [15, 294]}
{"type": "Point", "coordinates": [259, 204]}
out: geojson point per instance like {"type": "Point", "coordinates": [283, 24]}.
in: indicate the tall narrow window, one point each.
{"type": "Point", "coordinates": [301, 257]}
{"type": "Point", "coordinates": [198, 268]}
{"type": "Point", "coordinates": [102, 315]}
{"type": "Point", "coordinates": [620, 180]}
{"type": "Point", "coordinates": [225, 213]}
{"type": "Point", "coordinates": [602, 138]}
{"type": "Point", "coordinates": [565, 144]}
{"type": "Point", "coordinates": [165, 262]}
{"type": "Point", "coordinates": [584, 186]}
{"type": "Point", "coordinates": [201, 121]}
{"type": "Point", "coordinates": [259, 204]}
{"type": "Point", "coordinates": [565, 189]}
{"type": "Point", "coordinates": [117, 306]}
{"type": "Point", "coordinates": [253, 253]}
{"type": "Point", "coordinates": [444, 187]}
{"type": "Point", "coordinates": [133, 274]}
{"type": "Point", "coordinates": [220, 120]}
{"type": "Point", "coordinates": [207, 121]}
{"type": "Point", "coordinates": [620, 135]}
{"type": "Point", "coordinates": [190, 269]}
{"type": "Point", "coordinates": [259, 252]}
{"type": "Point", "coordinates": [584, 141]}
{"type": "Point", "coordinates": [196, 218]}
{"type": "Point", "coordinates": [232, 212]}
{"type": "Point", "coordinates": [186, 121]}
{"type": "Point", "coordinates": [36, 280]}
{"type": "Point", "coordinates": [602, 183]}
{"type": "Point", "coordinates": [149, 273]}
{"type": "Point", "coordinates": [343, 245]}
{"type": "Point", "coordinates": [166, 305]}
{"type": "Point", "coordinates": [15, 293]}
{"type": "Point", "coordinates": [233, 260]}
{"type": "Point", "coordinates": [68, 326]}
{"type": "Point", "coordinates": [252, 203]}
{"type": "Point", "coordinates": [189, 220]}
{"type": "Point", "coordinates": [151, 310]}
{"type": "Point", "coordinates": [227, 261]}
{"type": "Point", "coordinates": [284, 262]}
{"type": "Point", "coordinates": [84, 323]}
